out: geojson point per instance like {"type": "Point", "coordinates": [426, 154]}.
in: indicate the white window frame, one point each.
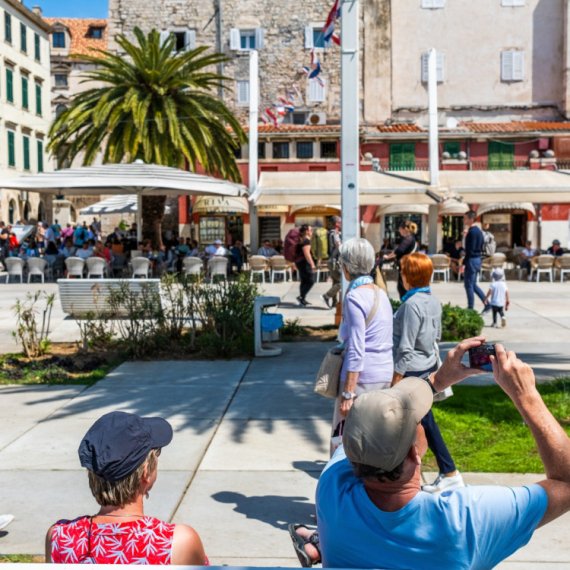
{"type": "Point", "coordinates": [242, 92]}
{"type": "Point", "coordinates": [513, 3]}
{"type": "Point", "coordinates": [512, 65]}
{"type": "Point", "coordinates": [440, 67]}
{"type": "Point", "coordinates": [316, 93]}
{"type": "Point", "coordinates": [236, 34]}
{"type": "Point", "coordinates": [433, 4]}
{"type": "Point", "coordinates": [310, 36]}
{"type": "Point", "coordinates": [189, 38]}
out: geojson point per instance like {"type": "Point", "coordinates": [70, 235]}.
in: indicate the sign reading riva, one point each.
{"type": "Point", "coordinates": [220, 205]}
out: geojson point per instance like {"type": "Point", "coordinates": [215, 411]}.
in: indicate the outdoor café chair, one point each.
{"type": "Point", "coordinates": [192, 265]}
{"type": "Point", "coordinates": [563, 265]}
{"type": "Point", "coordinates": [258, 264]}
{"type": "Point", "coordinates": [118, 263]}
{"type": "Point", "coordinates": [495, 261]}
{"type": "Point", "coordinates": [136, 253]}
{"type": "Point", "coordinates": [75, 267]}
{"type": "Point", "coordinates": [96, 266]}
{"type": "Point", "coordinates": [58, 267]}
{"type": "Point", "coordinates": [323, 268]}
{"type": "Point", "coordinates": [15, 267]}
{"type": "Point", "coordinates": [141, 267]}
{"type": "Point", "coordinates": [279, 266]}
{"type": "Point", "coordinates": [37, 266]}
{"type": "Point", "coordinates": [441, 266]}
{"type": "Point", "coordinates": [218, 266]}
{"type": "Point", "coordinates": [542, 264]}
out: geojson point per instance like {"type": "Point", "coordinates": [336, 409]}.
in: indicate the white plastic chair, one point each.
{"type": "Point", "coordinates": [218, 266]}
{"type": "Point", "coordinates": [141, 267]}
{"type": "Point", "coordinates": [496, 261]}
{"type": "Point", "coordinates": [542, 264]}
{"type": "Point", "coordinates": [258, 264]}
{"type": "Point", "coordinates": [136, 253]}
{"type": "Point", "coordinates": [36, 266]}
{"type": "Point", "coordinates": [75, 267]}
{"type": "Point", "coordinates": [192, 266]}
{"type": "Point", "coordinates": [563, 265]}
{"type": "Point", "coordinates": [96, 266]}
{"type": "Point", "coordinates": [279, 266]}
{"type": "Point", "coordinates": [15, 267]}
{"type": "Point", "coordinates": [323, 268]}
{"type": "Point", "coordinates": [441, 265]}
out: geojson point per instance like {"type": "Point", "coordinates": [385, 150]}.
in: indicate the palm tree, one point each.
{"type": "Point", "coordinates": [157, 105]}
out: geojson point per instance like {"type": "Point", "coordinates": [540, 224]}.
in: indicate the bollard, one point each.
{"type": "Point", "coordinates": [259, 304]}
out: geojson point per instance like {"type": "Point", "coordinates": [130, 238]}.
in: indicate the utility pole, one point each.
{"type": "Point", "coordinates": [253, 139]}
{"type": "Point", "coordinates": [433, 147]}
{"type": "Point", "coordinates": [350, 113]}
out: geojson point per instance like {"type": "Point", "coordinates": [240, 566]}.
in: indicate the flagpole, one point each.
{"type": "Point", "coordinates": [350, 105]}
{"type": "Point", "coordinates": [253, 150]}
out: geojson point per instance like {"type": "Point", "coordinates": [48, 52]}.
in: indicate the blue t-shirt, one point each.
{"type": "Point", "coordinates": [471, 527]}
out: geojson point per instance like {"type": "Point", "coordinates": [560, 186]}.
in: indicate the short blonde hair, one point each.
{"type": "Point", "coordinates": [125, 490]}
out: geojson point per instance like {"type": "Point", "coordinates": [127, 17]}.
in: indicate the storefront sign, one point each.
{"type": "Point", "coordinates": [220, 205]}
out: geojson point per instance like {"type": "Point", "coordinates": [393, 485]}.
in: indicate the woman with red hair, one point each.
{"type": "Point", "coordinates": [416, 332]}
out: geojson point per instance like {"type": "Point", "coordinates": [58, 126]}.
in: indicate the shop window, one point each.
{"type": "Point", "coordinates": [281, 150]}
{"type": "Point", "coordinates": [451, 230]}
{"type": "Point", "coordinates": [453, 148]}
{"type": "Point", "coordinates": [270, 228]}
{"type": "Point", "coordinates": [261, 150]}
{"type": "Point", "coordinates": [211, 229]}
{"type": "Point", "coordinates": [305, 149]}
{"type": "Point", "coordinates": [392, 223]}
{"type": "Point", "coordinates": [501, 155]}
{"type": "Point", "coordinates": [402, 156]}
{"type": "Point", "coordinates": [329, 149]}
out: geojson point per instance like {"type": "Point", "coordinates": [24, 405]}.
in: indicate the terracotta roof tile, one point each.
{"type": "Point", "coordinates": [400, 128]}
{"type": "Point", "coordinates": [288, 128]}
{"type": "Point", "coordinates": [517, 126]}
{"type": "Point", "coordinates": [78, 28]}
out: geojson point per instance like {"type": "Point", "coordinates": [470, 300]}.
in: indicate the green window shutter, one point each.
{"type": "Point", "coordinates": [501, 156]}
{"type": "Point", "coordinates": [9, 85]}
{"type": "Point", "coordinates": [453, 148]}
{"type": "Point", "coordinates": [23, 38]}
{"type": "Point", "coordinates": [7, 27]}
{"type": "Point", "coordinates": [402, 156]}
{"type": "Point", "coordinates": [38, 99]}
{"type": "Point", "coordinates": [11, 149]}
{"type": "Point", "coordinates": [37, 50]}
{"type": "Point", "coordinates": [25, 98]}
{"type": "Point", "coordinates": [40, 156]}
{"type": "Point", "coordinates": [26, 152]}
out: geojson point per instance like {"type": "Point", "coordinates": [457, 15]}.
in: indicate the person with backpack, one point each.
{"type": "Point", "coordinates": [334, 243]}
{"type": "Point", "coordinates": [79, 236]}
{"type": "Point", "coordinates": [472, 261]}
{"type": "Point", "coordinates": [489, 243]}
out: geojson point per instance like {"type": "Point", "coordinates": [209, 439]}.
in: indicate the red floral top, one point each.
{"type": "Point", "coordinates": [144, 541]}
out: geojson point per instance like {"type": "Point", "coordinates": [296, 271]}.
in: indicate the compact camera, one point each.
{"type": "Point", "coordinates": [479, 357]}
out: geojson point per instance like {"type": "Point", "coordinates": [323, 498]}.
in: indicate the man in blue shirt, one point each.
{"type": "Point", "coordinates": [472, 260]}
{"type": "Point", "coordinates": [371, 512]}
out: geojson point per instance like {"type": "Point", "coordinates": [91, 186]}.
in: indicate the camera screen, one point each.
{"type": "Point", "coordinates": [480, 357]}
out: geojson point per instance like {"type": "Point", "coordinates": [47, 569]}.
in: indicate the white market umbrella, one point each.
{"type": "Point", "coordinates": [136, 178]}
{"type": "Point", "coordinates": [119, 204]}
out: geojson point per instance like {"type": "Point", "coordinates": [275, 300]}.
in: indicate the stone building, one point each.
{"type": "Point", "coordinates": [24, 108]}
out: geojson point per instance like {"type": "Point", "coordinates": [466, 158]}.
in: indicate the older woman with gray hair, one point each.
{"type": "Point", "coordinates": [366, 330]}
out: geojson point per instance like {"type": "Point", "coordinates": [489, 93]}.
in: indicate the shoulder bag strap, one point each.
{"type": "Point", "coordinates": [374, 307]}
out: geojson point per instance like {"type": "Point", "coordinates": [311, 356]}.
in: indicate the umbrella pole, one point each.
{"type": "Point", "coordinates": [139, 217]}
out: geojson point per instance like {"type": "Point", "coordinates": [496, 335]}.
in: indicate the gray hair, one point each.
{"type": "Point", "coordinates": [357, 255]}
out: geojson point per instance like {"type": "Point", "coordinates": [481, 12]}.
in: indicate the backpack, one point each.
{"type": "Point", "coordinates": [320, 244]}
{"type": "Point", "coordinates": [290, 252]}
{"type": "Point", "coordinates": [489, 244]}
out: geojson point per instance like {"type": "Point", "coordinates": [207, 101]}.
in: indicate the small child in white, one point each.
{"type": "Point", "coordinates": [499, 294]}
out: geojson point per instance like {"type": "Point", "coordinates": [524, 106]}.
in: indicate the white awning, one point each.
{"type": "Point", "coordinates": [220, 205]}
{"type": "Point", "coordinates": [528, 206]}
{"type": "Point", "coordinates": [324, 210]}
{"type": "Point", "coordinates": [120, 204]}
{"type": "Point", "coordinates": [451, 207]}
{"type": "Point", "coordinates": [402, 209]}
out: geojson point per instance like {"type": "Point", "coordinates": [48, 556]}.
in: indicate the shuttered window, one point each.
{"type": "Point", "coordinates": [512, 65]}
{"type": "Point", "coordinates": [40, 146]}
{"type": "Point", "coordinates": [243, 91]}
{"type": "Point", "coordinates": [244, 40]}
{"type": "Point", "coordinates": [501, 156]}
{"type": "Point", "coordinates": [11, 148]}
{"type": "Point", "coordinates": [9, 85]}
{"type": "Point", "coordinates": [38, 99]}
{"type": "Point", "coordinates": [26, 141]}
{"type": "Point", "coordinates": [317, 92]}
{"type": "Point", "coordinates": [37, 50]}
{"type": "Point", "coordinates": [23, 38]}
{"type": "Point", "coordinates": [8, 27]}
{"type": "Point", "coordinates": [25, 97]}
{"type": "Point", "coordinates": [440, 67]}
{"type": "Point", "coordinates": [402, 156]}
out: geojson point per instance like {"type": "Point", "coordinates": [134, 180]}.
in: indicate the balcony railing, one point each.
{"type": "Point", "coordinates": [393, 166]}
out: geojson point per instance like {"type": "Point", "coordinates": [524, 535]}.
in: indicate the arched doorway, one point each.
{"type": "Point", "coordinates": [26, 211]}
{"type": "Point", "coordinates": [41, 212]}
{"type": "Point", "coordinates": [72, 215]}
{"type": "Point", "coordinates": [12, 211]}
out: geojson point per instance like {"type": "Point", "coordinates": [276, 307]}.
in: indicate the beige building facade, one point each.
{"type": "Point", "coordinates": [24, 108]}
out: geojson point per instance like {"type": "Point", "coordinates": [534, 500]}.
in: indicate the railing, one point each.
{"type": "Point", "coordinates": [400, 166]}
{"type": "Point", "coordinates": [563, 163]}
{"type": "Point", "coordinates": [500, 165]}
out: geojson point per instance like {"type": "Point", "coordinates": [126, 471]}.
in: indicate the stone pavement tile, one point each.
{"type": "Point", "coordinates": [12, 428]}
{"type": "Point", "coordinates": [193, 401]}
{"type": "Point", "coordinates": [260, 562]}
{"type": "Point", "coordinates": [169, 373]}
{"type": "Point", "coordinates": [246, 513]}
{"type": "Point", "coordinates": [66, 331]}
{"type": "Point", "coordinates": [287, 401]}
{"type": "Point", "coordinates": [269, 445]}
{"type": "Point", "coordinates": [36, 402]}
{"type": "Point", "coordinates": [38, 499]}
{"type": "Point", "coordinates": [53, 445]}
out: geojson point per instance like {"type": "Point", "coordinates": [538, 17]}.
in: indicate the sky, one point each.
{"type": "Point", "coordinates": [75, 9]}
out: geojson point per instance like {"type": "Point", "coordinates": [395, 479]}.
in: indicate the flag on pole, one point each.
{"type": "Point", "coordinates": [335, 39]}
{"type": "Point", "coordinates": [288, 105]}
{"type": "Point", "coordinates": [315, 65]}
{"type": "Point", "coordinates": [262, 118]}
{"type": "Point", "coordinates": [328, 30]}
{"type": "Point", "coordinates": [298, 93]}
{"type": "Point", "coordinates": [272, 116]}
{"type": "Point", "coordinates": [279, 108]}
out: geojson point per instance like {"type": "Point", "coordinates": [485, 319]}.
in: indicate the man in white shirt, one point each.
{"type": "Point", "coordinates": [527, 254]}
{"type": "Point", "coordinates": [266, 250]}
{"type": "Point", "coordinates": [216, 250]}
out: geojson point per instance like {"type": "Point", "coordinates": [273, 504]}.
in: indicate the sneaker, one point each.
{"type": "Point", "coordinates": [486, 309]}
{"type": "Point", "coordinates": [443, 483]}
{"type": "Point", "coordinates": [529, 278]}
{"type": "Point", "coordinates": [503, 322]}
{"type": "Point", "coordinates": [326, 301]}
{"type": "Point", "coordinates": [302, 302]}
{"type": "Point", "coordinates": [5, 520]}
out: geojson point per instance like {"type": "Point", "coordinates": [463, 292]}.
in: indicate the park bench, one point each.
{"type": "Point", "coordinates": [78, 297]}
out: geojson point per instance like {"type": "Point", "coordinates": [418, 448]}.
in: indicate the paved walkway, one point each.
{"type": "Point", "coordinates": [250, 441]}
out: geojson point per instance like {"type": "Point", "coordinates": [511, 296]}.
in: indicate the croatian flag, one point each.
{"type": "Point", "coordinates": [280, 109]}
{"type": "Point", "coordinates": [315, 68]}
{"type": "Point", "coordinates": [328, 31]}
{"type": "Point", "coordinates": [272, 116]}
{"type": "Point", "coordinates": [298, 93]}
{"type": "Point", "coordinates": [288, 105]}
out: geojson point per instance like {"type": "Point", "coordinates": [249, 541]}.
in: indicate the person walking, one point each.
{"type": "Point", "coordinates": [366, 330]}
{"type": "Point", "coordinates": [333, 263]}
{"type": "Point", "coordinates": [417, 330]}
{"type": "Point", "coordinates": [408, 245]}
{"type": "Point", "coordinates": [498, 296]}
{"type": "Point", "coordinates": [472, 260]}
{"type": "Point", "coordinates": [305, 264]}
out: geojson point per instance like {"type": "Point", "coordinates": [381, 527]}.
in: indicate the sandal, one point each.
{"type": "Point", "coordinates": [299, 544]}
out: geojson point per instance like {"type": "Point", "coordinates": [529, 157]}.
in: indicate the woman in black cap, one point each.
{"type": "Point", "coordinates": [120, 452]}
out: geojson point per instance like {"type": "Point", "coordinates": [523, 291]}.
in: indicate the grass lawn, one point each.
{"type": "Point", "coordinates": [21, 558]}
{"type": "Point", "coordinates": [484, 431]}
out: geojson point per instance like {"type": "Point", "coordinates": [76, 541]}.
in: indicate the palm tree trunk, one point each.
{"type": "Point", "coordinates": [152, 215]}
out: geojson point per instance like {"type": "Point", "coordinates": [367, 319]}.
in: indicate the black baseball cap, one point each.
{"type": "Point", "coordinates": [556, 242]}
{"type": "Point", "coordinates": [118, 442]}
